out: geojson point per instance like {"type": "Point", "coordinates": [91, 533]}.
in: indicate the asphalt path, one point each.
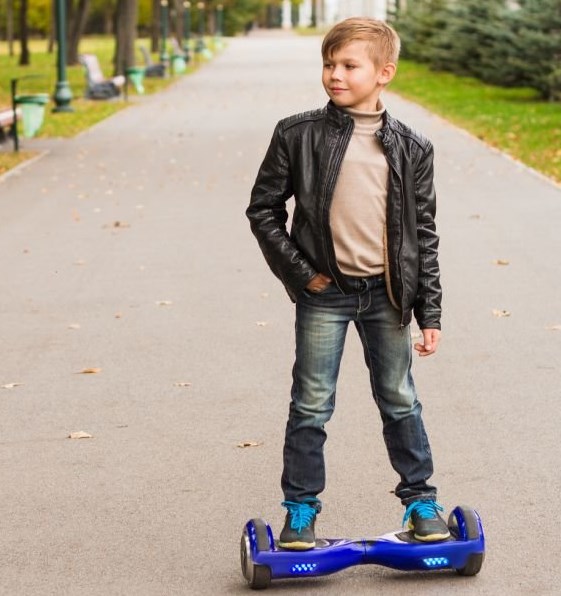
{"type": "Point", "coordinates": [125, 251]}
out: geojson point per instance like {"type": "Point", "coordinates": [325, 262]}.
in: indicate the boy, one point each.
{"type": "Point", "coordinates": [362, 248]}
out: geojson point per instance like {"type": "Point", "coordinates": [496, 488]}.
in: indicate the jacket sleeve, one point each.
{"type": "Point", "coordinates": [268, 215]}
{"type": "Point", "coordinates": [427, 307]}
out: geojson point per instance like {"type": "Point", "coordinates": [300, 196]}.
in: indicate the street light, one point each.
{"type": "Point", "coordinates": [186, 28]}
{"type": "Point", "coordinates": [63, 93]}
{"type": "Point", "coordinates": [200, 41]}
{"type": "Point", "coordinates": [164, 57]}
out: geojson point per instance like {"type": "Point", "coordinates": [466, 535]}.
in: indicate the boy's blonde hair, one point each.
{"type": "Point", "coordinates": [383, 41]}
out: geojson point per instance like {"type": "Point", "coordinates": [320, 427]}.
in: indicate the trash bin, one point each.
{"type": "Point", "coordinates": [178, 64]}
{"type": "Point", "coordinates": [135, 75]}
{"type": "Point", "coordinates": [33, 112]}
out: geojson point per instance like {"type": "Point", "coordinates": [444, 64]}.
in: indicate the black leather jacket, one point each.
{"type": "Point", "coordinates": [303, 160]}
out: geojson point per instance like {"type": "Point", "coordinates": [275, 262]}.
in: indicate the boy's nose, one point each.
{"type": "Point", "coordinates": [336, 74]}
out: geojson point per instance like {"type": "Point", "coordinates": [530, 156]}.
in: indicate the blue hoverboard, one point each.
{"type": "Point", "coordinates": [263, 560]}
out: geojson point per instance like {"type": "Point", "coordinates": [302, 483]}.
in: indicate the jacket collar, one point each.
{"type": "Point", "coordinates": [339, 118]}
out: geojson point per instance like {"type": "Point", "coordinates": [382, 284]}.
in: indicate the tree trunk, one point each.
{"type": "Point", "coordinates": [52, 29]}
{"type": "Point", "coordinates": [125, 34]}
{"type": "Point", "coordinates": [10, 26]}
{"type": "Point", "coordinates": [25, 57]}
{"type": "Point", "coordinates": [155, 27]}
{"type": "Point", "coordinates": [76, 30]}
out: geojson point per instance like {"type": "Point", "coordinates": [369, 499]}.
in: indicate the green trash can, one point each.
{"type": "Point", "coordinates": [33, 112]}
{"type": "Point", "coordinates": [135, 75]}
{"type": "Point", "coordinates": [178, 64]}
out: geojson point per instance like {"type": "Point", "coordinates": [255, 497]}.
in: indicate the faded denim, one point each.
{"type": "Point", "coordinates": [321, 326]}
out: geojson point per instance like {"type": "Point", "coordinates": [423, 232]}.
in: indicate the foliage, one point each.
{"type": "Point", "coordinates": [501, 42]}
{"type": "Point", "coordinates": [237, 14]}
{"type": "Point", "coordinates": [418, 26]}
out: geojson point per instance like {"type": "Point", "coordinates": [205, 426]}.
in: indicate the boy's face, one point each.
{"type": "Point", "coordinates": [351, 79]}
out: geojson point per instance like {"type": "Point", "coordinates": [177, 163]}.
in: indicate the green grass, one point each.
{"type": "Point", "coordinates": [86, 112]}
{"type": "Point", "coordinates": [514, 120]}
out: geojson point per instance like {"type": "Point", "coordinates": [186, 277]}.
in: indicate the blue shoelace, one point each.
{"type": "Point", "coordinates": [301, 514]}
{"type": "Point", "coordinates": [424, 509]}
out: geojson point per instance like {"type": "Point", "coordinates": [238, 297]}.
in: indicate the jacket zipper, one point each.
{"type": "Point", "coordinates": [401, 325]}
{"type": "Point", "coordinates": [340, 149]}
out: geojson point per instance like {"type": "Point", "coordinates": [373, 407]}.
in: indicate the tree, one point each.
{"type": "Point", "coordinates": [10, 26]}
{"type": "Point", "coordinates": [125, 34]}
{"type": "Point", "coordinates": [467, 45]}
{"type": "Point", "coordinates": [25, 56]}
{"type": "Point", "coordinates": [76, 27]}
{"type": "Point", "coordinates": [535, 53]}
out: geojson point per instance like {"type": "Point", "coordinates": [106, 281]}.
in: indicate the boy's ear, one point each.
{"type": "Point", "coordinates": [387, 73]}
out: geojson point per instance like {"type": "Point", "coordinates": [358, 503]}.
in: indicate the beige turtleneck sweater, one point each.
{"type": "Point", "coordinates": [358, 211]}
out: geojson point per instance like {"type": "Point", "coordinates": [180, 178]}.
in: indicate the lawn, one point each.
{"type": "Point", "coordinates": [514, 120]}
{"type": "Point", "coordinates": [43, 80]}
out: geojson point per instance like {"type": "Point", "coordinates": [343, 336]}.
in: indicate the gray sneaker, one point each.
{"type": "Point", "coordinates": [424, 519]}
{"type": "Point", "coordinates": [298, 532]}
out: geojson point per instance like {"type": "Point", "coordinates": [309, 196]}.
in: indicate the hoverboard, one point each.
{"type": "Point", "coordinates": [263, 560]}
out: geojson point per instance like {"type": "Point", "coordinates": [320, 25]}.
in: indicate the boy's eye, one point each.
{"type": "Point", "coordinates": [327, 65]}
{"type": "Point", "coordinates": [350, 66]}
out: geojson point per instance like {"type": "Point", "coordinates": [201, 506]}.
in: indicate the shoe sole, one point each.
{"type": "Point", "coordinates": [432, 537]}
{"type": "Point", "coordinates": [297, 545]}
{"type": "Point", "coordinates": [429, 537]}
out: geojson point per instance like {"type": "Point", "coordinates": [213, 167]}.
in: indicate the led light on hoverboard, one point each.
{"type": "Point", "coordinates": [303, 568]}
{"type": "Point", "coordinates": [436, 562]}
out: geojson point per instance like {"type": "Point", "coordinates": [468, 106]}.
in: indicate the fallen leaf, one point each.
{"type": "Point", "coordinates": [554, 328]}
{"type": "Point", "coordinates": [501, 262]}
{"type": "Point", "coordinates": [89, 371]}
{"type": "Point", "coordinates": [80, 262]}
{"type": "Point", "coordinates": [500, 313]}
{"type": "Point", "coordinates": [264, 294]}
{"type": "Point", "coordinates": [164, 302]}
{"type": "Point", "coordinates": [118, 315]}
{"type": "Point", "coordinates": [261, 323]}
{"type": "Point", "coordinates": [74, 326]}
{"type": "Point", "coordinates": [80, 435]}
{"type": "Point", "coordinates": [475, 216]}
{"type": "Point", "coordinates": [11, 385]}
{"type": "Point", "coordinates": [182, 384]}
{"type": "Point", "coordinates": [117, 224]}
{"type": "Point", "coordinates": [245, 444]}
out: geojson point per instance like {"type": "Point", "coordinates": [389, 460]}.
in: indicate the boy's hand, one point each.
{"type": "Point", "coordinates": [431, 337]}
{"type": "Point", "coordinates": [318, 283]}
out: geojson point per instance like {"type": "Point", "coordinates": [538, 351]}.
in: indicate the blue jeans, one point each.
{"type": "Point", "coordinates": [321, 326]}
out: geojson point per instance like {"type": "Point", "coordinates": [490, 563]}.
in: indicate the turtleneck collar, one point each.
{"type": "Point", "coordinates": [367, 119]}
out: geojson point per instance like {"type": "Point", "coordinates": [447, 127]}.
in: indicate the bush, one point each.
{"type": "Point", "coordinates": [494, 40]}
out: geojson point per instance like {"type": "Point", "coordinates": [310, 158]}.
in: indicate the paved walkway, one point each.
{"type": "Point", "coordinates": [127, 250]}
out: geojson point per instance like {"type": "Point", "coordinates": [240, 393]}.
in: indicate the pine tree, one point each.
{"type": "Point", "coordinates": [467, 45]}
{"type": "Point", "coordinates": [417, 26]}
{"type": "Point", "coordinates": [535, 54]}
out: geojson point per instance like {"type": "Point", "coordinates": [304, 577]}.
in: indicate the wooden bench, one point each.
{"type": "Point", "coordinates": [98, 87]}
{"type": "Point", "coordinates": [152, 69]}
{"type": "Point", "coordinates": [7, 122]}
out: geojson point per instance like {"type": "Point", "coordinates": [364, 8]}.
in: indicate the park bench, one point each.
{"type": "Point", "coordinates": [98, 87]}
{"type": "Point", "coordinates": [7, 122]}
{"type": "Point", "coordinates": [152, 69]}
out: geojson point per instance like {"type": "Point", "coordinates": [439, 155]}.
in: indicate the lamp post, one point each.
{"type": "Point", "coordinates": [200, 41]}
{"type": "Point", "coordinates": [164, 57]}
{"type": "Point", "coordinates": [186, 28]}
{"type": "Point", "coordinates": [220, 20]}
{"type": "Point", "coordinates": [63, 93]}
